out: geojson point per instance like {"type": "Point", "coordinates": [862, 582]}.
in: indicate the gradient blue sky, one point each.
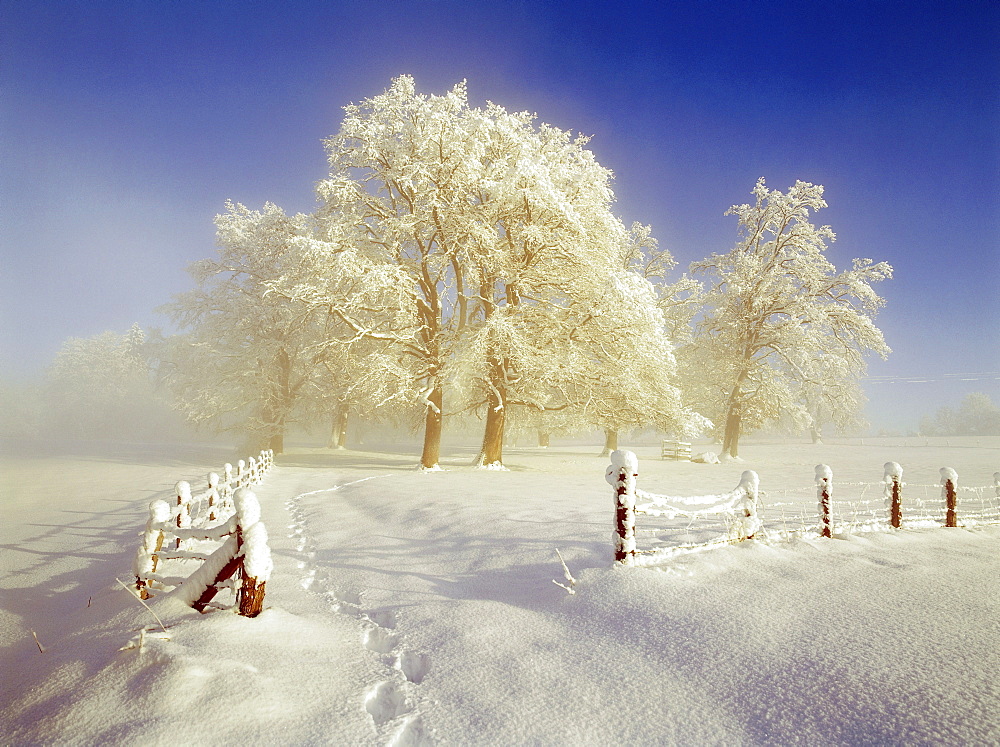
{"type": "Point", "coordinates": [124, 127]}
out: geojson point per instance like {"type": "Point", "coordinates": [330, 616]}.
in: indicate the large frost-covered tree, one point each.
{"type": "Point", "coordinates": [780, 323]}
{"type": "Point", "coordinates": [366, 312]}
{"type": "Point", "coordinates": [645, 391]}
{"type": "Point", "coordinates": [399, 166]}
{"type": "Point", "coordinates": [555, 294]}
{"type": "Point", "coordinates": [245, 357]}
{"type": "Point", "coordinates": [504, 231]}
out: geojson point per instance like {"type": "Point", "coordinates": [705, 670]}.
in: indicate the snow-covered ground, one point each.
{"type": "Point", "coordinates": [412, 608]}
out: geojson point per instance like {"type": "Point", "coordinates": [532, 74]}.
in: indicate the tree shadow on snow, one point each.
{"type": "Point", "coordinates": [526, 584]}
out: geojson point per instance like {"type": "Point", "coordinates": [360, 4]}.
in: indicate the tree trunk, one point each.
{"type": "Point", "coordinates": [432, 430]}
{"type": "Point", "coordinates": [610, 442]}
{"type": "Point", "coordinates": [277, 407]}
{"type": "Point", "coordinates": [543, 439]}
{"type": "Point", "coordinates": [338, 432]}
{"type": "Point", "coordinates": [496, 417]}
{"type": "Point", "coordinates": [731, 439]}
{"type": "Point", "coordinates": [734, 420]}
{"type": "Point", "coordinates": [271, 432]}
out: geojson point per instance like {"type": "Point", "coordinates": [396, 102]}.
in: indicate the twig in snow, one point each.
{"type": "Point", "coordinates": [41, 649]}
{"type": "Point", "coordinates": [143, 603]}
{"type": "Point", "coordinates": [567, 574]}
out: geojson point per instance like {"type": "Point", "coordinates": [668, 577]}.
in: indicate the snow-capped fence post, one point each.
{"type": "Point", "coordinates": [183, 491]}
{"type": "Point", "coordinates": [257, 564]}
{"type": "Point", "coordinates": [147, 557]}
{"type": "Point", "coordinates": [747, 522]}
{"type": "Point", "coordinates": [824, 489]}
{"type": "Point", "coordinates": [227, 487]}
{"type": "Point", "coordinates": [949, 493]}
{"type": "Point", "coordinates": [621, 474]}
{"type": "Point", "coordinates": [246, 556]}
{"type": "Point", "coordinates": [893, 480]}
{"type": "Point", "coordinates": [213, 494]}
{"type": "Point", "coordinates": [241, 477]}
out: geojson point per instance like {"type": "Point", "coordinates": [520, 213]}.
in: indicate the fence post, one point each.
{"type": "Point", "coordinates": [893, 480]}
{"type": "Point", "coordinates": [213, 494]}
{"type": "Point", "coordinates": [226, 489]}
{"type": "Point", "coordinates": [824, 489]}
{"type": "Point", "coordinates": [241, 473]}
{"type": "Point", "coordinates": [949, 493]}
{"type": "Point", "coordinates": [146, 559]}
{"type": "Point", "coordinates": [256, 566]}
{"type": "Point", "coordinates": [747, 525]}
{"type": "Point", "coordinates": [621, 475]}
{"type": "Point", "coordinates": [183, 491]}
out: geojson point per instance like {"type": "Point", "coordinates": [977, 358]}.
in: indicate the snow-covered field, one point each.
{"type": "Point", "coordinates": [415, 608]}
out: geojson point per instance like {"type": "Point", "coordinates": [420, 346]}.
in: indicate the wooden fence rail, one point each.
{"type": "Point", "coordinates": [738, 507]}
{"type": "Point", "coordinates": [741, 513]}
{"type": "Point", "coordinates": [217, 531]}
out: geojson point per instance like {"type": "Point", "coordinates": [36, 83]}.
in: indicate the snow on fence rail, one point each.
{"type": "Point", "coordinates": [693, 523]}
{"type": "Point", "coordinates": [217, 540]}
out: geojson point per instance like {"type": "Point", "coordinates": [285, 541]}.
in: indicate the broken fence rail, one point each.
{"type": "Point", "coordinates": [218, 541]}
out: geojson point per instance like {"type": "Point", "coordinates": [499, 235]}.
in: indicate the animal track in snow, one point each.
{"type": "Point", "coordinates": [414, 666]}
{"type": "Point", "coordinates": [412, 733]}
{"type": "Point", "coordinates": [385, 618]}
{"type": "Point", "coordinates": [380, 640]}
{"type": "Point", "coordinates": [385, 702]}
{"type": "Point", "coordinates": [348, 597]}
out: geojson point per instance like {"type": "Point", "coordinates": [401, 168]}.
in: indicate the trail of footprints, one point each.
{"type": "Point", "coordinates": [391, 702]}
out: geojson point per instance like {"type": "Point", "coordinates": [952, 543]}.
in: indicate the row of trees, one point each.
{"type": "Point", "coordinates": [977, 415]}
{"type": "Point", "coordinates": [98, 387]}
{"type": "Point", "coordinates": [467, 260]}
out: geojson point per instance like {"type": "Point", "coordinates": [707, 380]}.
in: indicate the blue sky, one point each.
{"type": "Point", "coordinates": [124, 127]}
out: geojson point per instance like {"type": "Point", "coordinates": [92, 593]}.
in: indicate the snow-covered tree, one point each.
{"type": "Point", "coordinates": [650, 397]}
{"type": "Point", "coordinates": [245, 356]}
{"type": "Point", "coordinates": [779, 317]}
{"type": "Point", "coordinates": [365, 308]}
{"type": "Point", "coordinates": [831, 396]}
{"type": "Point", "coordinates": [100, 387]}
{"type": "Point", "coordinates": [401, 168]}
{"type": "Point", "coordinates": [976, 416]}
{"type": "Point", "coordinates": [621, 367]}
{"type": "Point", "coordinates": [504, 231]}
{"type": "Point", "coordinates": [555, 293]}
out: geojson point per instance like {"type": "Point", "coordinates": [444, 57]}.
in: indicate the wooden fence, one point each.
{"type": "Point", "coordinates": [676, 450]}
{"type": "Point", "coordinates": [209, 541]}
{"type": "Point", "coordinates": [696, 523]}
